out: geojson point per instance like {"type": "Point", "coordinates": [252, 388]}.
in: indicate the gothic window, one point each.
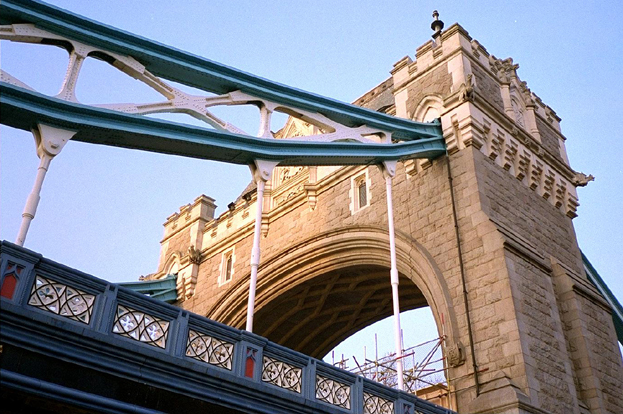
{"type": "Point", "coordinates": [174, 269]}
{"type": "Point", "coordinates": [227, 267]}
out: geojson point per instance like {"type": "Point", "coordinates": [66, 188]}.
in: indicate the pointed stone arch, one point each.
{"type": "Point", "coordinates": [340, 277]}
{"type": "Point", "coordinates": [429, 108]}
{"type": "Point", "coordinates": [173, 265]}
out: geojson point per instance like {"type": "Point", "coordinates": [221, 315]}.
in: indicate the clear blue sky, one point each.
{"type": "Point", "coordinates": [102, 208]}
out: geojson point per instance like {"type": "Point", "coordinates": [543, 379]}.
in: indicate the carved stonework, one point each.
{"type": "Point", "coordinates": [519, 113]}
{"type": "Point", "coordinates": [582, 180]}
{"type": "Point", "coordinates": [454, 355]}
{"type": "Point", "coordinates": [194, 256]}
{"type": "Point", "coordinates": [288, 172]}
{"type": "Point", "coordinates": [290, 194]}
{"type": "Point", "coordinates": [504, 69]}
{"type": "Point", "coordinates": [466, 91]}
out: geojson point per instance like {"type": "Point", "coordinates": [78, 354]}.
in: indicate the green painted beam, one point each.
{"type": "Point", "coordinates": [162, 289]}
{"type": "Point", "coordinates": [23, 109]}
{"type": "Point", "coordinates": [201, 73]}
{"type": "Point", "coordinates": [617, 309]}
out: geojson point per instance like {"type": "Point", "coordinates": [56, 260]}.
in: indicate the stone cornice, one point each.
{"type": "Point", "coordinates": [509, 125]}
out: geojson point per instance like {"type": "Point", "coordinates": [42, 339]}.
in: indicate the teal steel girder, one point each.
{"type": "Point", "coordinates": [25, 108]}
{"type": "Point", "coordinates": [600, 284]}
{"type": "Point", "coordinates": [162, 289]}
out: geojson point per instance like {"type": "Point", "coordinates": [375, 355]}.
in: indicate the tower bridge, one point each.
{"type": "Point", "coordinates": [453, 150]}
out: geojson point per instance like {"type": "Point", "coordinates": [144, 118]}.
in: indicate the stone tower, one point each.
{"type": "Point", "coordinates": [484, 237]}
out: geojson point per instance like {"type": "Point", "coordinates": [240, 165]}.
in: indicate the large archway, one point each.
{"type": "Point", "coordinates": [315, 294]}
{"type": "Point", "coordinates": [318, 314]}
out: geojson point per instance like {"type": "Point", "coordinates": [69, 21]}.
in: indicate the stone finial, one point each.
{"type": "Point", "coordinates": [436, 25]}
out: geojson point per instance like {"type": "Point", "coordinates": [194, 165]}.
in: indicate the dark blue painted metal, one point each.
{"type": "Point", "coordinates": [96, 348]}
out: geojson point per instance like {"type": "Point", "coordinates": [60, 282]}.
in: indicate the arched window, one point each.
{"type": "Point", "coordinates": [360, 191]}
{"type": "Point", "coordinates": [429, 109]}
{"type": "Point", "coordinates": [230, 261]}
{"type": "Point", "coordinates": [174, 268]}
{"type": "Point", "coordinates": [227, 267]}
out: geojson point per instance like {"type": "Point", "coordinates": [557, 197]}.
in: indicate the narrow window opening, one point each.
{"type": "Point", "coordinates": [363, 195]}
{"type": "Point", "coordinates": [228, 268]}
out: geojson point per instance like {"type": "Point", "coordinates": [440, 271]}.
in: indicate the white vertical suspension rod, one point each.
{"type": "Point", "coordinates": [50, 141]}
{"type": "Point", "coordinates": [261, 171]}
{"type": "Point", "coordinates": [255, 254]}
{"type": "Point", "coordinates": [389, 170]}
{"type": "Point", "coordinates": [30, 209]}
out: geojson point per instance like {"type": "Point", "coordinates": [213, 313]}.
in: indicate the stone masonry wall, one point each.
{"type": "Point", "coordinates": [606, 361]}
{"type": "Point", "coordinates": [550, 380]}
{"type": "Point", "coordinates": [549, 138]}
{"type": "Point", "coordinates": [515, 208]}
{"type": "Point", "coordinates": [488, 87]}
{"type": "Point", "coordinates": [437, 81]}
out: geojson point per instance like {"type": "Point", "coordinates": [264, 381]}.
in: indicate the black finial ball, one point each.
{"type": "Point", "coordinates": [436, 25]}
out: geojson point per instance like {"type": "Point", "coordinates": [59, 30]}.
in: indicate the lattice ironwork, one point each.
{"type": "Point", "coordinates": [336, 131]}
{"type": "Point", "coordinates": [333, 392]}
{"type": "Point", "coordinates": [373, 404]}
{"type": "Point", "coordinates": [282, 374]}
{"type": "Point", "coordinates": [141, 327]}
{"type": "Point", "coordinates": [209, 349]}
{"type": "Point", "coordinates": [178, 101]}
{"type": "Point", "coordinates": [61, 299]}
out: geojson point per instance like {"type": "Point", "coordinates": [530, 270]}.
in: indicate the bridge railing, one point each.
{"type": "Point", "coordinates": [104, 326]}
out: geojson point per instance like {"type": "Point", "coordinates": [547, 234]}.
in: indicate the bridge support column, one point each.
{"type": "Point", "coordinates": [389, 171]}
{"type": "Point", "coordinates": [50, 141]}
{"type": "Point", "coordinates": [261, 171]}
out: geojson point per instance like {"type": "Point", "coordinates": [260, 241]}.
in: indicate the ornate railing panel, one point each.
{"type": "Point", "coordinates": [333, 392]}
{"type": "Point", "coordinates": [208, 349]}
{"type": "Point", "coordinates": [282, 374]}
{"type": "Point", "coordinates": [373, 404]}
{"type": "Point", "coordinates": [140, 326]}
{"type": "Point", "coordinates": [61, 299]}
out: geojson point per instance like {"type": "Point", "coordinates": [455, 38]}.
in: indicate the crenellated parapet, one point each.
{"type": "Point", "coordinates": [181, 246]}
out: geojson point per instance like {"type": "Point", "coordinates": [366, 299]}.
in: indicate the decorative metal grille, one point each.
{"type": "Point", "coordinates": [376, 405]}
{"type": "Point", "coordinates": [208, 349]}
{"type": "Point", "coordinates": [282, 374]}
{"type": "Point", "coordinates": [61, 300]}
{"type": "Point", "coordinates": [333, 392]}
{"type": "Point", "coordinates": [141, 327]}
{"type": "Point", "coordinates": [362, 191]}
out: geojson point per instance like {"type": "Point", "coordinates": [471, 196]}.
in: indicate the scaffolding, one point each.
{"type": "Point", "coordinates": [424, 369]}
